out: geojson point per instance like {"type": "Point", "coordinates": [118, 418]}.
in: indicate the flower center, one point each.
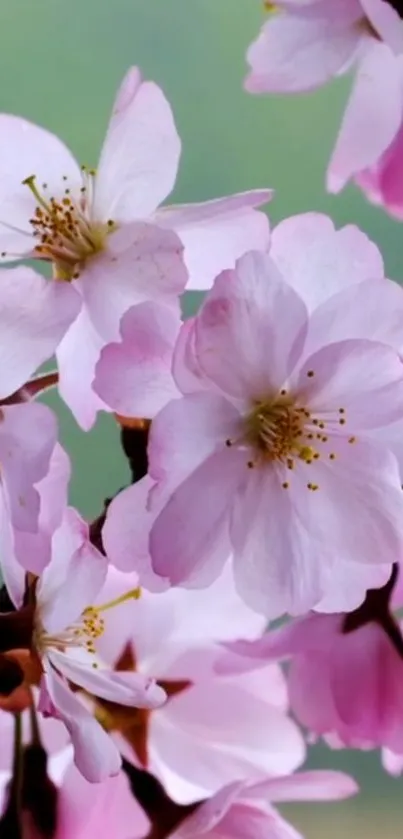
{"type": "Point", "coordinates": [84, 632]}
{"type": "Point", "coordinates": [66, 234]}
{"type": "Point", "coordinates": [281, 430]}
{"type": "Point", "coordinates": [276, 429]}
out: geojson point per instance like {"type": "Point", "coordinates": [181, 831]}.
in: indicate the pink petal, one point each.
{"type": "Point", "coordinates": [216, 233]}
{"type": "Point", "coordinates": [265, 530]}
{"type": "Point", "coordinates": [98, 810]}
{"type": "Point", "coordinates": [28, 434]}
{"type": "Point", "coordinates": [347, 585]}
{"type": "Point", "coordinates": [250, 316]}
{"type": "Point", "coordinates": [80, 350]}
{"type": "Point", "coordinates": [366, 682]}
{"type": "Point", "coordinates": [139, 160]}
{"type": "Point", "coordinates": [382, 183]}
{"type": "Point", "coordinates": [189, 541]}
{"type": "Point", "coordinates": [12, 571]}
{"type": "Point", "coordinates": [75, 575]}
{"type": "Point", "coordinates": [126, 531]}
{"type": "Point", "coordinates": [142, 263]}
{"type": "Point", "coordinates": [33, 550]}
{"type": "Point", "coordinates": [372, 309]}
{"type": "Point", "coordinates": [186, 370]}
{"type": "Point", "coordinates": [95, 754]}
{"type": "Point", "coordinates": [25, 150]}
{"type": "Point", "coordinates": [363, 378]}
{"type": "Point", "coordinates": [386, 21]}
{"type": "Point", "coordinates": [34, 315]}
{"type": "Point", "coordinates": [129, 689]}
{"type": "Point", "coordinates": [217, 613]}
{"type": "Point", "coordinates": [309, 683]}
{"type": "Point", "coordinates": [372, 118]}
{"type": "Point", "coordinates": [173, 452]}
{"type": "Point", "coordinates": [318, 261]}
{"type": "Point", "coordinates": [312, 633]}
{"type": "Point", "coordinates": [393, 763]}
{"type": "Point", "coordinates": [209, 813]}
{"type": "Point", "coordinates": [359, 502]}
{"type": "Point", "coordinates": [301, 52]}
{"type": "Point", "coordinates": [317, 785]}
{"type": "Point", "coordinates": [134, 377]}
{"type": "Point", "coordinates": [232, 735]}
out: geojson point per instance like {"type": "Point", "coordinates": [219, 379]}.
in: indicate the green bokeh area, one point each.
{"type": "Point", "coordinates": [60, 64]}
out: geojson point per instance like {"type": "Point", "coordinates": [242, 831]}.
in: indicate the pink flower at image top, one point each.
{"type": "Point", "coordinates": [103, 231]}
{"type": "Point", "coordinates": [305, 43]}
{"type": "Point", "coordinates": [277, 448]}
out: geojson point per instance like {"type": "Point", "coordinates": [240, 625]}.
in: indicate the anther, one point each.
{"type": "Point", "coordinates": [352, 439]}
{"type": "Point", "coordinates": [332, 456]}
{"type": "Point", "coordinates": [310, 373]}
{"type": "Point", "coordinates": [342, 421]}
{"type": "Point", "coordinates": [285, 485]}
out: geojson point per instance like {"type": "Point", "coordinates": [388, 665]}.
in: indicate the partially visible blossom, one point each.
{"type": "Point", "coordinates": [345, 674]}
{"type": "Point", "coordinates": [302, 46]}
{"type": "Point", "coordinates": [102, 230]}
{"type": "Point", "coordinates": [275, 450]}
{"type": "Point", "coordinates": [382, 183]}
{"type": "Point", "coordinates": [67, 627]}
{"type": "Point", "coordinates": [213, 729]}
{"type": "Point", "coordinates": [245, 808]}
{"type": "Point", "coordinates": [34, 316]}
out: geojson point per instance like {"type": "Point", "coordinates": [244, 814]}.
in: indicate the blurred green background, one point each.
{"type": "Point", "coordinates": [60, 64]}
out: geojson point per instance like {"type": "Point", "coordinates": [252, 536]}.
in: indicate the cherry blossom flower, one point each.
{"type": "Point", "coordinates": [102, 230]}
{"type": "Point", "coordinates": [302, 46]}
{"type": "Point", "coordinates": [212, 729]}
{"type": "Point", "coordinates": [331, 270]}
{"type": "Point", "coordinates": [345, 672]}
{"type": "Point", "coordinates": [284, 420]}
{"type": "Point", "coordinates": [246, 808]}
{"type": "Point", "coordinates": [67, 627]}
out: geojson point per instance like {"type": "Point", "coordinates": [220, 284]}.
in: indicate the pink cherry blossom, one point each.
{"type": "Point", "coordinates": [333, 271]}
{"type": "Point", "coordinates": [103, 230]}
{"type": "Point", "coordinates": [212, 729]}
{"type": "Point", "coordinates": [240, 808]}
{"type": "Point", "coordinates": [66, 628]}
{"type": "Point", "coordinates": [283, 421]}
{"type": "Point", "coordinates": [345, 673]}
{"type": "Point", "coordinates": [245, 809]}
{"type": "Point", "coordinates": [302, 46]}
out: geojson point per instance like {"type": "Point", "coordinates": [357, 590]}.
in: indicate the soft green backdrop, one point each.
{"type": "Point", "coordinates": [60, 64]}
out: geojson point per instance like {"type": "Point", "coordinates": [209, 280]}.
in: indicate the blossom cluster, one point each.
{"type": "Point", "coordinates": [142, 693]}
